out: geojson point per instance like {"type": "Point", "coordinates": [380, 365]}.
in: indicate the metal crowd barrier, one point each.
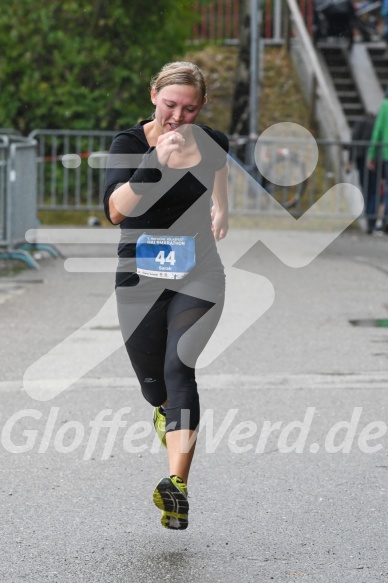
{"type": "Point", "coordinates": [289, 178]}
{"type": "Point", "coordinates": [18, 197]}
{"type": "Point", "coordinates": [70, 176]}
{"type": "Point", "coordinates": [66, 181]}
{"type": "Point", "coordinates": [3, 189]}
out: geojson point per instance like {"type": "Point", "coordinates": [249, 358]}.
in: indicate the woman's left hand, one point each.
{"type": "Point", "coordinates": [220, 223]}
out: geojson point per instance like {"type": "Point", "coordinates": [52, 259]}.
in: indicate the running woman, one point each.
{"type": "Point", "coordinates": [166, 186]}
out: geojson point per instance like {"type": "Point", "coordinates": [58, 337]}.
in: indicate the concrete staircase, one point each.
{"type": "Point", "coordinates": [378, 54]}
{"type": "Point", "coordinates": [337, 63]}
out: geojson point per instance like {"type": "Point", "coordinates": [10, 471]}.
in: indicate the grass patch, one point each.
{"type": "Point", "coordinates": [281, 98]}
{"type": "Point", "coordinates": [69, 218]}
{"type": "Point", "coordinates": [11, 267]}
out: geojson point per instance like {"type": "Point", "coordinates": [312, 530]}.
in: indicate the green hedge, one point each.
{"type": "Point", "coordinates": [85, 65]}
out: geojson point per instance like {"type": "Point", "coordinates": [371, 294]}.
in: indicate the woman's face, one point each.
{"type": "Point", "coordinates": [176, 105]}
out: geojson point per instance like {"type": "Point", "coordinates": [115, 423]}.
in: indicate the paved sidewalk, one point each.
{"type": "Point", "coordinates": [279, 490]}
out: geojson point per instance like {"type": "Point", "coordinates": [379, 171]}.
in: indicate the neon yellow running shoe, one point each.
{"type": "Point", "coordinates": [160, 425]}
{"type": "Point", "coordinates": [170, 495]}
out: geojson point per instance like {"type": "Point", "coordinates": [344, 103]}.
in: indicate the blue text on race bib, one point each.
{"type": "Point", "coordinates": [165, 256]}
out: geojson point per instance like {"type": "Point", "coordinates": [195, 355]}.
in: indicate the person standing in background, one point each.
{"type": "Point", "coordinates": [362, 132]}
{"type": "Point", "coordinates": [378, 154]}
{"type": "Point", "coordinates": [384, 14]}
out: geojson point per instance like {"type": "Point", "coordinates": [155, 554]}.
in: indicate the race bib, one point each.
{"type": "Point", "coordinates": [165, 256]}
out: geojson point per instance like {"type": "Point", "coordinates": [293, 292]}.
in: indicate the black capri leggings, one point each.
{"type": "Point", "coordinates": [166, 371]}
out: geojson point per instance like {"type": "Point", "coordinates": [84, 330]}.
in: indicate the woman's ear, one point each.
{"type": "Point", "coordinates": [153, 95]}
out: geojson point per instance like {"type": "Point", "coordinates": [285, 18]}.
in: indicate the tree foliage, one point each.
{"type": "Point", "coordinates": [85, 65]}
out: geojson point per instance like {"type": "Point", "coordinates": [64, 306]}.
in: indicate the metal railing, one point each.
{"type": "Point", "coordinates": [71, 174]}
{"type": "Point", "coordinates": [220, 20]}
{"type": "Point", "coordinates": [65, 179]}
{"type": "Point", "coordinates": [324, 105]}
{"type": "Point", "coordinates": [290, 179]}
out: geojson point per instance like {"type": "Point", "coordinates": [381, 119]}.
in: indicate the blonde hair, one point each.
{"type": "Point", "coordinates": [180, 73]}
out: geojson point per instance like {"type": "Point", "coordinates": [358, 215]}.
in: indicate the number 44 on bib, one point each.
{"type": "Point", "coordinates": [162, 259]}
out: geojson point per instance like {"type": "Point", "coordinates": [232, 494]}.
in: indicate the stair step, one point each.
{"type": "Point", "coordinates": [379, 61]}
{"type": "Point", "coordinates": [342, 87]}
{"type": "Point", "coordinates": [332, 44]}
{"type": "Point", "coordinates": [348, 95]}
{"type": "Point", "coordinates": [329, 47]}
{"type": "Point", "coordinates": [352, 107]}
{"type": "Point", "coordinates": [345, 81]}
{"type": "Point", "coordinates": [377, 51]}
{"type": "Point", "coordinates": [334, 55]}
{"type": "Point", "coordinates": [339, 69]}
{"type": "Point", "coordinates": [336, 63]}
{"type": "Point", "coordinates": [342, 72]}
{"type": "Point", "coordinates": [352, 119]}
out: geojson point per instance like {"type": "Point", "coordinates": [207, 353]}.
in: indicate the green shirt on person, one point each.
{"type": "Point", "coordinates": [380, 134]}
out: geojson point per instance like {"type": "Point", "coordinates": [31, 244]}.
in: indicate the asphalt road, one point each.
{"type": "Point", "coordinates": [289, 481]}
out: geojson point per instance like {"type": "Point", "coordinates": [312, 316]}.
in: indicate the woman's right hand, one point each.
{"type": "Point", "coordinates": [167, 144]}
